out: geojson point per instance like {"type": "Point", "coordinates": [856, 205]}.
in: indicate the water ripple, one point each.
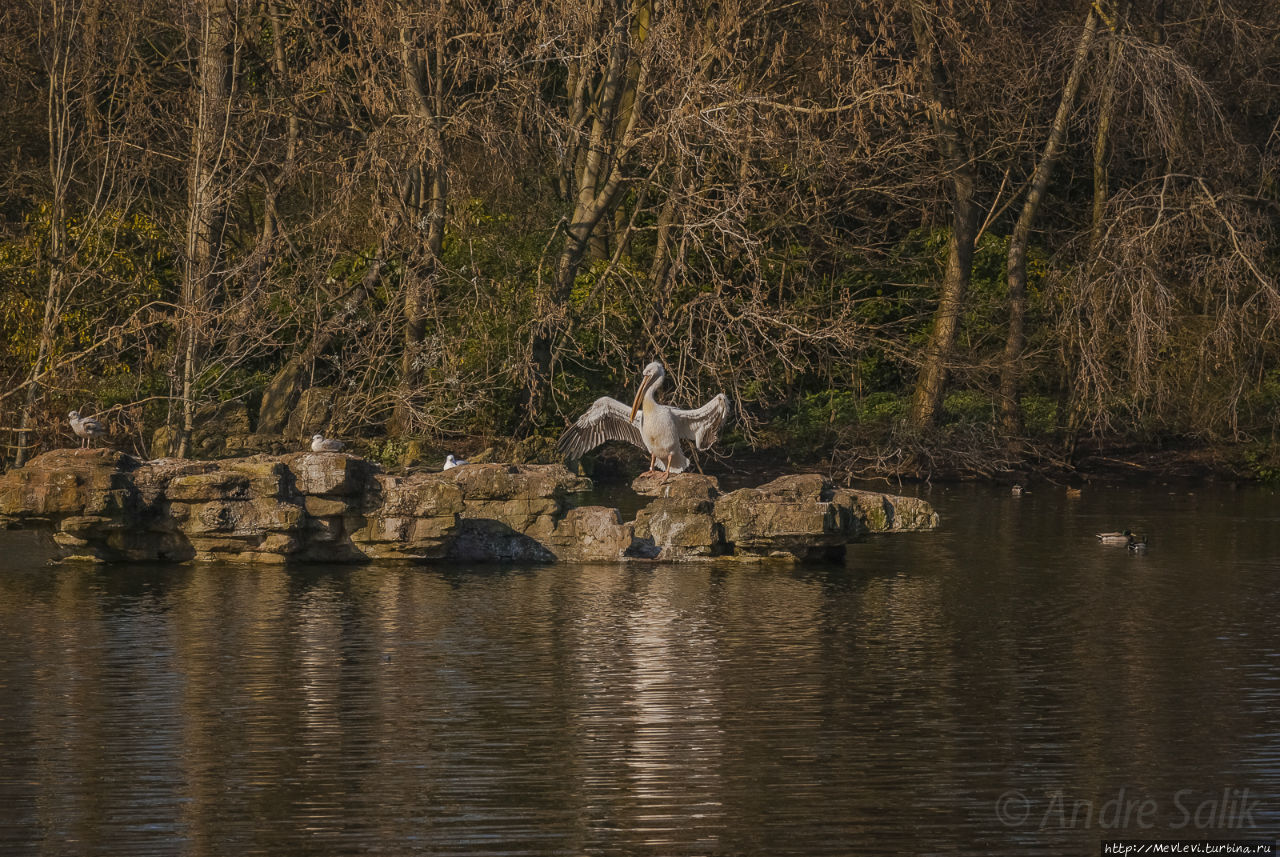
{"type": "Point", "coordinates": [883, 706]}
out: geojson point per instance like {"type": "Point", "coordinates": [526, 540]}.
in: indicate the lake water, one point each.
{"type": "Point", "coordinates": [1005, 685]}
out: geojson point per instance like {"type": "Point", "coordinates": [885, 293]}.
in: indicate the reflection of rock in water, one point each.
{"type": "Point", "coordinates": [29, 548]}
{"type": "Point", "coordinates": [332, 507]}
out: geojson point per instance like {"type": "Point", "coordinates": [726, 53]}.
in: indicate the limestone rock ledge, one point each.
{"type": "Point", "coordinates": [332, 507]}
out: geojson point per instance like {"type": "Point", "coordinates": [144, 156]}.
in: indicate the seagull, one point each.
{"type": "Point", "coordinates": [319, 443]}
{"type": "Point", "coordinates": [450, 462]}
{"type": "Point", "coordinates": [86, 428]}
{"type": "Point", "coordinates": [658, 429]}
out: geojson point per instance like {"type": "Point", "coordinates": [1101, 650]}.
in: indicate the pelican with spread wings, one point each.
{"type": "Point", "coordinates": [658, 428]}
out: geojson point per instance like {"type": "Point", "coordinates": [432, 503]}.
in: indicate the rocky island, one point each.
{"type": "Point", "coordinates": [330, 507]}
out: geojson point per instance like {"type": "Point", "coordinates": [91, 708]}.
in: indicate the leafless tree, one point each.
{"type": "Point", "coordinates": [1016, 261]}
{"type": "Point", "coordinates": [957, 156]}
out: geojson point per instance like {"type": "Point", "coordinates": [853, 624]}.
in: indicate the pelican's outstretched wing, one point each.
{"type": "Point", "coordinates": [605, 420]}
{"type": "Point", "coordinates": [702, 425]}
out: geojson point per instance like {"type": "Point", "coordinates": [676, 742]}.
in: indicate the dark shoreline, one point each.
{"type": "Point", "coordinates": [1091, 464]}
{"type": "Point", "coordinates": [879, 462]}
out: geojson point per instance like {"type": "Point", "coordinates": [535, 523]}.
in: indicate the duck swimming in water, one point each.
{"type": "Point", "coordinates": [1115, 538]}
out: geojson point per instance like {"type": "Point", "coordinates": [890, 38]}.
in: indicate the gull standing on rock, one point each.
{"type": "Point", "coordinates": [319, 443]}
{"type": "Point", "coordinates": [658, 430]}
{"type": "Point", "coordinates": [86, 428]}
{"type": "Point", "coordinates": [450, 462]}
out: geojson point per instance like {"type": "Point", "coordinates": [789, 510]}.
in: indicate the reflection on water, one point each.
{"type": "Point", "coordinates": [986, 688]}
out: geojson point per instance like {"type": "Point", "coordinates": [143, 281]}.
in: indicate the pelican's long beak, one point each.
{"type": "Point", "coordinates": [635, 405]}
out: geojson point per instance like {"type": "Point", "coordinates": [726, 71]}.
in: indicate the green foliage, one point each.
{"type": "Point", "coordinates": [969, 407]}
{"type": "Point", "coordinates": [1039, 415]}
{"type": "Point", "coordinates": [1263, 463]}
{"type": "Point", "coordinates": [600, 313]}
{"type": "Point", "coordinates": [884, 407]}
{"type": "Point", "coordinates": [820, 416]}
{"type": "Point", "coordinates": [390, 452]}
{"type": "Point", "coordinates": [117, 385]}
{"type": "Point", "coordinates": [117, 263]}
{"type": "Point", "coordinates": [817, 413]}
{"type": "Point", "coordinates": [1263, 402]}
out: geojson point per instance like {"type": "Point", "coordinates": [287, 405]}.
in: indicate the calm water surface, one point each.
{"type": "Point", "coordinates": [1004, 685]}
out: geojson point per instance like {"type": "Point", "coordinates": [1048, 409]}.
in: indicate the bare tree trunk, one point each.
{"type": "Point", "coordinates": [1101, 193]}
{"type": "Point", "coordinates": [954, 149]}
{"type": "Point", "coordinates": [285, 388]}
{"type": "Point", "coordinates": [1011, 369]}
{"type": "Point", "coordinates": [202, 210]}
{"type": "Point", "coordinates": [48, 328]}
{"type": "Point", "coordinates": [275, 184]}
{"type": "Point", "coordinates": [660, 266]}
{"type": "Point", "coordinates": [597, 178]}
{"type": "Point", "coordinates": [1102, 140]}
{"type": "Point", "coordinates": [425, 82]}
{"type": "Point", "coordinates": [61, 30]}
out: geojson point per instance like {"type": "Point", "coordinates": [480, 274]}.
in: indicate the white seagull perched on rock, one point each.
{"type": "Point", "coordinates": [450, 462]}
{"type": "Point", "coordinates": [86, 428]}
{"type": "Point", "coordinates": [658, 428]}
{"type": "Point", "coordinates": [319, 443]}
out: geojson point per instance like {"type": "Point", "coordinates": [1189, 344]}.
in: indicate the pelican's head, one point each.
{"type": "Point", "coordinates": [75, 415]}
{"type": "Point", "coordinates": [449, 459]}
{"type": "Point", "coordinates": [653, 375]}
{"type": "Point", "coordinates": [316, 437]}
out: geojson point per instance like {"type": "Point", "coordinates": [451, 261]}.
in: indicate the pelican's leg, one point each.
{"type": "Point", "coordinates": [666, 474]}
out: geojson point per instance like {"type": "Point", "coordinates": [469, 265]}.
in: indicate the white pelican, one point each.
{"type": "Point", "coordinates": [319, 443]}
{"type": "Point", "coordinates": [86, 428]}
{"type": "Point", "coordinates": [658, 429]}
{"type": "Point", "coordinates": [450, 462]}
